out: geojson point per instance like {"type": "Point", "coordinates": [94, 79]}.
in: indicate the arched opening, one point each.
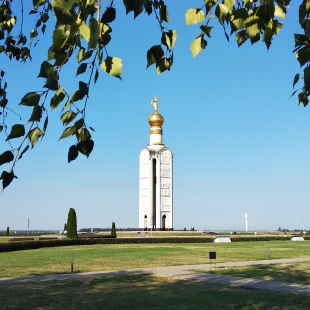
{"type": "Point", "coordinates": [164, 222]}
{"type": "Point", "coordinates": [145, 222]}
{"type": "Point", "coordinates": [154, 193]}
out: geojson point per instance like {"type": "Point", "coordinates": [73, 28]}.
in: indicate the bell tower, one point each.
{"type": "Point", "coordinates": [155, 179]}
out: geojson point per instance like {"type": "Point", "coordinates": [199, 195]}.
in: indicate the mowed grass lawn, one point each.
{"type": "Point", "coordinates": [118, 257]}
{"type": "Point", "coordinates": [144, 291]}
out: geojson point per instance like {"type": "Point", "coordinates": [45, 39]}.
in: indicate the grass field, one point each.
{"type": "Point", "coordinates": [295, 273]}
{"type": "Point", "coordinates": [115, 257]}
{"type": "Point", "coordinates": [142, 292]}
{"type": "Point", "coordinates": [148, 292]}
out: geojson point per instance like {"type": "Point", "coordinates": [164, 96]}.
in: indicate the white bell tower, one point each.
{"type": "Point", "coordinates": [155, 179]}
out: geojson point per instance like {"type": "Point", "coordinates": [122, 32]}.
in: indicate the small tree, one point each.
{"type": "Point", "coordinates": [8, 231]}
{"type": "Point", "coordinates": [113, 231]}
{"type": "Point", "coordinates": [71, 224]}
{"type": "Point", "coordinates": [65, 227]}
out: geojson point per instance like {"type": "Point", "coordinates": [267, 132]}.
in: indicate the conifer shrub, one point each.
{"type": "Point", "coordinates": [72, 224]}
{"type": "Point", "coordinates": [113, 231]}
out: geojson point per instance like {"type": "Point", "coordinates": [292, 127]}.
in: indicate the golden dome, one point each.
{"type": "Point", "coordinates": [156, 120]}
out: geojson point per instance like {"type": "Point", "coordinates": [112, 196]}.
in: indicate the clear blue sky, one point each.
{"type": "Point", "coordinates": [239, 144]}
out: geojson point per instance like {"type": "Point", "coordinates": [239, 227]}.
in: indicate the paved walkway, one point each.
{"type": "Point", "coordinates": [187, 272]}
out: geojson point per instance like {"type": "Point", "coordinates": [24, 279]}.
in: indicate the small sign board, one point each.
{"type": "Point", "coordinates": [212, 255]}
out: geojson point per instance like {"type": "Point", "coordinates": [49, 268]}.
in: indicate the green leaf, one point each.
{"type": "Point", "coordinates": [87, 55]}
{"type": "Point", "coordinates": [163, 12]}
{"type": "Point", "coordinates": [80, 54]}
{"type": "Point", "coordinates": [73, 153]}
{"type": "Point", "coordinates": [163, 65]}
{"type": "Point", "coordinates": [222, 12]}
{"type": "Point", "coordinates": [45, 124]}
{"type": "Point", "coordinates": [83, 134]}
{"type": "Point", "coordinates": [238, 19]}
{"type": "Point", "coordinates": [85, 147]}
{"type": "Point", "coordinates": [303, 55]}
{"type": "Point", "coordinates": [133, 5]}
{"type": "Point", "coordinates": [169, 38]}
{"type": "Point", "coordinates": [36, 114]}
{"type": "Point", "coordinates": [68, 117]}
{"type": "Point", "coordinates": [7, 178]}
{"type": "Point", "coordinates": [33, 33]}
{"type": "Point", "coordinates": [51, 82]}
{"type": "Point", "coordinates": [76, 96]}
{"type": "Point", "coordinates": [229, 4]}
{"type": "Point", "coordinates": [280, 12]}
{"type": "Point", "coordinates": [96, 76]}
{"type": "Point", "coordinates": [148, 6]}
{"type": "Point", "coordinates": [84, 31]}
{"type": "Point", "coordinates": [83, 87]}
{"type": "Point", "coordinates": [6, 157]}
{"type": "Point", "coordinates": [70, 4]}
{"type": "Point", "coordinates": [37, 3]}
{"type": "Point", "coordinates": [112, 66]}
{"type": "Point", "coordinates": [23, 152]}
{"type": "Point", "coordinates": [68, 132]}
{"type": "Point", "coordinates": [198, 45]}
{"type": "Point", "coordinates": [108, 16]}
{"type": "Point", "coordinates": [66, 106]}
{"type": "Point", "coordinates": [206, 30]}
{"type": "Point", "coordinates": [46, 69]}
{"type": "Point", "coordinates": [154, 55]}
{"type": "Point", "coordinates": [252, 26]}
{"type": "Point", "coordinates": [17, 131]}
{"type": "Point", "coordinates": [30, 99]}
{"type": "Point", "coordinates": [34, 135]}
{"type": "Point", "coordinates": [81, 69]}
{"type": "Point", "coordinates": [194, 16]}
{"type": "Point", "coordinates": [241, 37]}
{"type": "Point", "coordinates": [296, 79]}
{"type": "Point", "coordinates": [56, 100]}
{"type": "Point", "coordinates": [267, 35]}
{"type": "Point", "coordinates": [94, 33]}
{"type": "Point", "coordinates": [63, 16]}
{"type": "Point", "coordinates": [3, 102]}
{"type": "Point", "coordinates": [307, 79]}
{"type": "Point", "coordinates": [79, 123]}
{"type": "Point", "coordinates": [276, 27]}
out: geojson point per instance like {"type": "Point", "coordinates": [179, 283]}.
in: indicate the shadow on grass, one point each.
{"type": "Point", "coordinates": [294, 273]}
{"type": "Point", "coordinates": [140, 292]}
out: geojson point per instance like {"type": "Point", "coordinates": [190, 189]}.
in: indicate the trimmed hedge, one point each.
{"type": "Point", "coordinates": [29, 245]}
{"type": "Point", "coordinates": [258, 238]}
{"type": "Point", "coordinates": [20, 239]}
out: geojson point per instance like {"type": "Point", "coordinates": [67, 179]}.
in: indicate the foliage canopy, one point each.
{"type": "Point", "coordinates": [82, 30]}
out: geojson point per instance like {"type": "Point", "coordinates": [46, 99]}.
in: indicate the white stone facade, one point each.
{"type": "Point", "coordinates": [156, 181]}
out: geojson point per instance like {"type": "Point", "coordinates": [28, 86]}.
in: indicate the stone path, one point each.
{"type": "Point", "coordinates": [187, 272]}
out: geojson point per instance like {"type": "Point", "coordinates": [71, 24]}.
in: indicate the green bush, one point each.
{"type": "Point", "coordinates": [113, 230]}
{"type": "Point", "coordinates": [71, 224]}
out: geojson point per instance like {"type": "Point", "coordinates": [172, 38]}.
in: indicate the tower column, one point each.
{"type": "Point", "coordinates": [155, 200]}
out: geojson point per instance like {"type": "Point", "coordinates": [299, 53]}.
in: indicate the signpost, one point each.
{"type": "Point", "coordinates": [212, 256]}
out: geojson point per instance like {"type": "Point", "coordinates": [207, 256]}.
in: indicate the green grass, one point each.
{"type": "Point", "coordinates": [116, 257]}
{"type": "Point", "coordinates": [295, 273]}
{"type": "Point", "coordinates": [142, 292]}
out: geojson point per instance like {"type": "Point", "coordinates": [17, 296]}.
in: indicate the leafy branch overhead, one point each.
{"type": "Point", "coordinates": [81, 31]}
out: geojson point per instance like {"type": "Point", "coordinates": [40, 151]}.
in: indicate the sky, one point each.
{"type": "Point", "coordinates": [240, 144]}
